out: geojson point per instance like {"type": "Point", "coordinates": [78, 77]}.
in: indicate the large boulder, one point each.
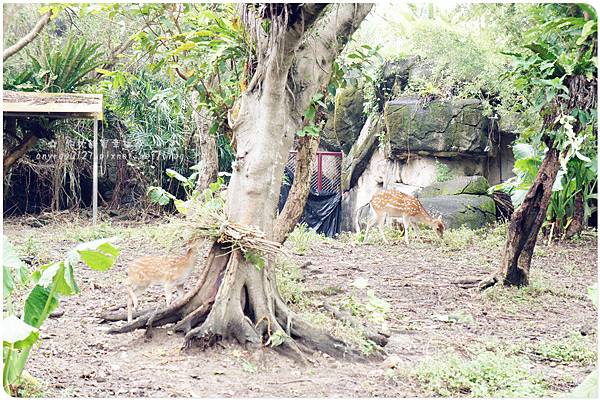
{"type": "Point", "coordinates": [455, 186]}
{"type": "Point", "coordinates": [473, 211]}
{"type": "Point", "coordinates": [442, 128]}
{"type": "Point", "coordinates": [344, 125]}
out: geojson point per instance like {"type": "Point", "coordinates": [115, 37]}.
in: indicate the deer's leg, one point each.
{"type": "Point", "coordinates": [417, 230]}
{"type": "Point", "coordinates": [132, 299]}
{"type": "Point", "coordinates": [380, 221]}
{"type": "Point", "coordinates": [130, 303]}
{"type": "Point", "coordinates": [369, 224]}
{"type": "Point", "coordinates": [406, 225]}
{"type": "Point", "coordinates": [168, 293]}
{"type": "Point", "coordinates": [180, 291]}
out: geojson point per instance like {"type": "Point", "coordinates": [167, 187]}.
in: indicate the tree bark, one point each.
{"type": "Point", "coordinates": [526, 223]}
{"type": "Point", "coordinates": [577, 223]}
{"type": "Point", "coordinates": [207, 143]}
{"type": "Point", "coordinates": [27, 143]}
{"type": "Point", "coordinates": [246, 305]}
{"type": "Point", "coordinates": [25, 40]}
{"type": "Point", "coordinates": [294, 206]}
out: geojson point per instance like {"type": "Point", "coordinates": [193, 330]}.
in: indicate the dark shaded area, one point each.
{"type": "Point", "coordinates": [323, 210]}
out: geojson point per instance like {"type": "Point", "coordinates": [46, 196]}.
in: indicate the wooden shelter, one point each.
{"type": "Point", "coordinates": [59, 105]}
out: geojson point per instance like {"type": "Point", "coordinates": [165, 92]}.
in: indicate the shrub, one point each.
{"type": "Point", "coordinates": [488, 374]}
{"type": "Point", "coordinates": [302, 237]}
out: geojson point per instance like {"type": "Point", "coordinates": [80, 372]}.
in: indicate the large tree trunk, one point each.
{"type": "Point", "coordinates": [294, 206]}
{"type": "Point", "coordinates": [233, 299]}
{"type": "Point", "coordinates": [207, 143]}
{"type": "Point", "coordinates": [526, 223]}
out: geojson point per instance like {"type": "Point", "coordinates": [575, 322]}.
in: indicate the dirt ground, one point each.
{"type": "Point", "coordinates": [77, 357]}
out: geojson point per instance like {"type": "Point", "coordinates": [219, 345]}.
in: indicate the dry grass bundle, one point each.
{"type": "Point", "coordinates": [208, 220]}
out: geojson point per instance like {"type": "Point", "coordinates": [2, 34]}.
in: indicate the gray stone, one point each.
{"type": "Point", "coordinates": [440, 127]}
{"type": "Point", "coordinates": [458, 185]}
{"type": "Point", "coordinates": [472, 211]}
{"type": "Point", "coordinates": [344, 125]}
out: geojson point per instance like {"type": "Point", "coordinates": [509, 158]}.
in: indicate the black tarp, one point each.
{"type": "Point", "coordinates": [323, 210]}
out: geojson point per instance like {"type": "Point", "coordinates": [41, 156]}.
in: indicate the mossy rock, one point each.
{"type": "Point", "coordinates": [343, 126]}
{"type": "Point", "coordinates": [459, 185]}
{"type": "Point", "coordinates": [472, 211]}
{"type": "Point", "coordinates": [439, 127]}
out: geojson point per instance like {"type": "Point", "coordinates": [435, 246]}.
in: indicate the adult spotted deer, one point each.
{"type": "Point", "coordinates": [395, 204]}
{"type": "Point", "coordinates": [170, 271]}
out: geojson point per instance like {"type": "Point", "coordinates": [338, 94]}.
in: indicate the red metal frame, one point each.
{"type": "Point", "coordinates": [320, 155]}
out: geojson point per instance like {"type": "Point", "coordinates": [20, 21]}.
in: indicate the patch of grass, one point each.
{"type": "Point", "coordinates": [341, 330]}
{"type": "Point", "coordinates": [493, 237]}
{"type": "Point", "coordinates": [487, 374]}
{"type": "Point", "coordinates": [33, 251]}
{"type": "Point", "coordinates": [460, 238]}
{"type": "Point", "coordinates": [538, 286]}
{"type": "Point", "coordinates": [443, 172]}
{"type": "Point", "coordinates": [573, 349]}
{"type": "Point", "coordinates": [289, 282]}
{"type": "Point", "coordinates": [30, 386]}
{"type": "Point", "coordinates": [302, 238]}
{"type": "Point", "coordinates": [88, 233]}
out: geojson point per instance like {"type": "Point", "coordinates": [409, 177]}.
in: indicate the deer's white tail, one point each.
{"type": "Point", "coordinates": [357, 214]}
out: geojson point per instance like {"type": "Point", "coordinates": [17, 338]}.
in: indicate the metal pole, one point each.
{"type": "Point", "coordinates": [95, 176]}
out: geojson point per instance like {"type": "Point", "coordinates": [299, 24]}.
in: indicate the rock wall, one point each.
{"type": "Point", "coordinates": [425, 147]}
{"type": "Point", "coordinates": [441, 128]}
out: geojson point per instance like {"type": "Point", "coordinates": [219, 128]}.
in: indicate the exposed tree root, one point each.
{"type": "Point", "coordinates": [233, 301]}
{"type": "Point", "coordinates": [379, 338]}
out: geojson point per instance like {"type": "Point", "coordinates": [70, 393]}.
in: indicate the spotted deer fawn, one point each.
{"type": "Point", "coordinates": [171, 271]}
{"type": "Point", "coordinates": [395, 204]}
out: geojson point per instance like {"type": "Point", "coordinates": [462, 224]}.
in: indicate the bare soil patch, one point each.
{"type": "Point", "coordinates": [77, 357]}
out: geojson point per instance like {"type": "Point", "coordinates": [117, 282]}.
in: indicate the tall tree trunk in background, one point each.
{"type": "Point", "coordinates": [209, 157]}
{"type": "Point", "coordinates": [528, 218]}
{"type": "Point", "coordinates": [22, 148]}
{"type": "Point", "coordinates": [233, 299]}
{"type": "Point", "coordinates": [294, 206]}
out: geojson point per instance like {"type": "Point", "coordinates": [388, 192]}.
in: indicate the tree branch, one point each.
{"type": "Point", "coordinates": [332, 31]}
{"type": "Point", "coordinates": [25, 40]}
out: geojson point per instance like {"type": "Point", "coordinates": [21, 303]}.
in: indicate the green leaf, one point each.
{"type": "Point", "coordinates": [17, 333]}
{"type": "Point", "coordinates": [99, 255]}
{"type": "Point", "coordinates": [10, 258]}
{"type": "Point", "coordinates": [35, 303]}
{"type": "Point", "coordinates": [182, 206]}
{"type": "Point", "coordinates": [8, 284]}
{"type": "Point", "coordinates": [277, 338]}
{"type": "Point", "coordinates": [586, 31]}
{"type": "Point", "coordinates": [518, 196]}
{"type": "Point", "coordinates": [159, 195]}
{"type": "Point", "coordinates": [97, 260]}
{"type": "Point", "coordinates": [588, 389]}
{"type": "Point", "coordinates": [523, 150]}
{"type": "Point", "coordinates": [255, 259]}
{"type": "Point", "coordinates": [541, 50]}
{"type": "Point", "coordinates": [57, 276]}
